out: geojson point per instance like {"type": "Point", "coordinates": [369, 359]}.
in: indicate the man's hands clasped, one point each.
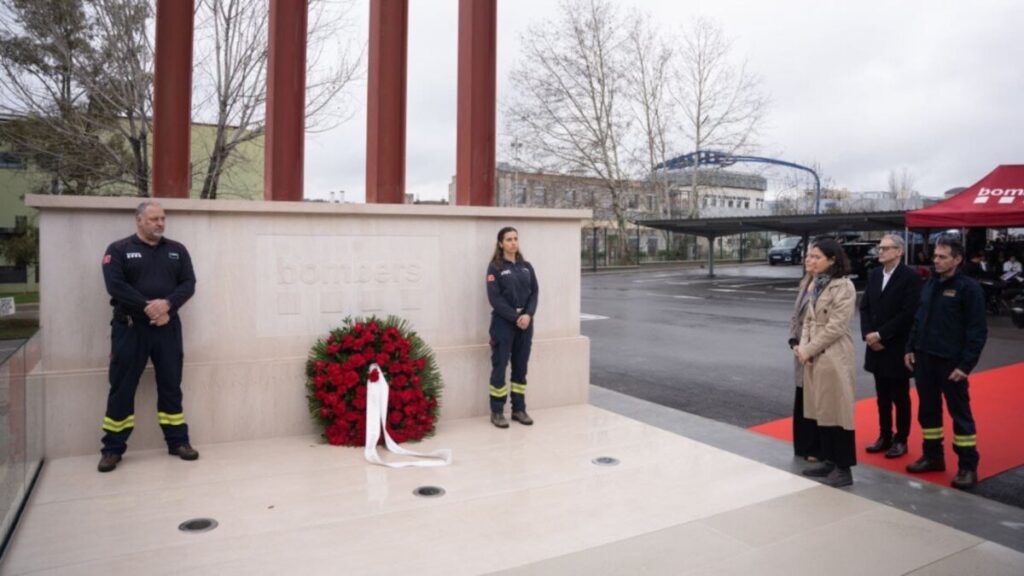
{"type": "Point", "coordinates": [158, 311]}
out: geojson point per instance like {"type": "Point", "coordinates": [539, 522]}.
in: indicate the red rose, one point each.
{"type": "Point", "coordinates": [351, 378]}
{"type": "Point", "coordinates": [374, 375]}
{"type": "Point", "coordinates": [383, 359]}
{"type": "Point", "coordinates": [346, 342]}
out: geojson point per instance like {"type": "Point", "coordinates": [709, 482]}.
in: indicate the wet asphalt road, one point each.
{"type": "Point", "coordinates": [710, 346]}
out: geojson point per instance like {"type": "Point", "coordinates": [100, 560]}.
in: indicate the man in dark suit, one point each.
{"type": "Point", "coordinates": [886, 315]}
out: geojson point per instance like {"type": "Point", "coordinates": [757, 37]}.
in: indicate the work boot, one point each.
{"type": "Point", "coordinates": [185, 452]}
{"type": "Point", "coordinates": [820, 470]}
{"type": "Point", "coordinates": [522, 417]}
{"type": "Point", "coordinates": [926, 464]}
{"type": "Point", "coordinates": [499, 420]}
{"type": "Point", "coordinates": [965, 480]}
{"type": "Point", "coordinates": [108, 462]}
{"type": "Point", "coordinates": [838, 478]}
{"type": "Point", "coordinates": [880, 445]}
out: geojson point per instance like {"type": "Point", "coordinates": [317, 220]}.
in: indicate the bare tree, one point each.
{"type": "Point", "coordinates": [41, 46]}
{"type": "Point", "coordinates": [648, 75]}
{"type": "Point", "coordinates": [121, 82]}
{"type": "Point", "coordinates": [796, 190]}
{"type": "Point", "coordinates": [76, 83]}
{"type": "Point", "coordinates": [901, 185]}
{"type": "Point", "coordinates": [722, 104]}
{"type": "Point", "coordinates": [569, 107]}
{"type": "Point", "coordinates": [232, 69]}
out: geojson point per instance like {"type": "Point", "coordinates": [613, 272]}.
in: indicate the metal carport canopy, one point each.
{"type": "Point", "coordinates": [796, 225]}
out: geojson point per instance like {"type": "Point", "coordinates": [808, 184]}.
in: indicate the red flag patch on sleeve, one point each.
{"type": "Point", "coordinates": [490, 277]}
{"type": "Point", "coordinates": [106, 259]}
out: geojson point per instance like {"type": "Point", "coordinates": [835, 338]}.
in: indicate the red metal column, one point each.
{"type": "Point", "coordinates": [385, 102]}
{"type": "Point", "coordinates": [286, 101]}
{"type": "Point", "coordinates": [474, 150]}
{"type": "Point", "coordinates": [172, 99]}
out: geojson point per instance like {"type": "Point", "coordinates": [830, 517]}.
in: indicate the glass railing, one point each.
{"type": "Point", "coordinates": [21, 427]}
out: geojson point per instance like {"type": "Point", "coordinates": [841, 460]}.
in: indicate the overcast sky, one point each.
{"type": "Point", "coordinates": [861, 88]}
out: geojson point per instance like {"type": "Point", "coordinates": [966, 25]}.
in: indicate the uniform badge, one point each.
{"type": "Point", "coordinates": [949, 293]}
{"type": "Point", "coordinates": [106, 259]}
{"type": "Point", "coordinates": [490, 277]}
{"type": "Point", "coordinates": [173, 255]}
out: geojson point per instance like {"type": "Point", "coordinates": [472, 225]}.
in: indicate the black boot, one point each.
{"type": "Point", "coordinates": [926, 464]}
{"type": "Point", "coordinates": [965, 480]}
{"type": "Point", "coordinates": [838, 478]}
{"type": "Point", "coordinates": [881, 445]}
{"type": "Point", "coordinates": [820, 470]}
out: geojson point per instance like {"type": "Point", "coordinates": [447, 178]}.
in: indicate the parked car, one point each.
{"type": "Point", "coordinates": [863, 257]}
{"type": "Point", "coordinates": [789, 250]}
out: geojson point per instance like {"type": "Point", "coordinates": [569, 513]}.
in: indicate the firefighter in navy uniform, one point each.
{"type": "Point", "coordinates": [149, 278]}
{"type": "Point", "coordinates": [945, 344]}
{"type": "Point", "coordinates": [512, 291]}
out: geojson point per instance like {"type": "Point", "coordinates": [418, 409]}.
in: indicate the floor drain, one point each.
{"type": "Point", "coordinates": [605, 461]}
{"type": "Point", "coordinates": [198, 525]}
{"type": "Point", "coordinates": [429, 491]}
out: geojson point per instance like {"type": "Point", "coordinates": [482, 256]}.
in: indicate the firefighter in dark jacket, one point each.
{"type": "Point", "coordinates": [887, 311]}
{"type": "Point", "coordinates": [512, 291]}
{"type": "Point", "coordinates": [945, 344]}
{"type": "Point", "coordinates": [149, 278]}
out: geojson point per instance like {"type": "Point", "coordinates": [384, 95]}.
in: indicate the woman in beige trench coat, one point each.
{"type": "Point", "coordinates": [829, 360]}
{"type": "Point", "coordinates": [805, 432]}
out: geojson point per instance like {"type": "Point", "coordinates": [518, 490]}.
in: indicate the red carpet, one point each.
{"type": "Point", "coordinates": [997, 400]}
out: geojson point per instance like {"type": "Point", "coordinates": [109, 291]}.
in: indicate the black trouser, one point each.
{"type": "Point", "coordinates": [508, 341]}
{"type": "Point", "coordinates": [893, 392]}
{"type": "Point", "coordinates": [133, 344]}
{"type": "Point", "coordinates": [931, 374]}
{"type": "Point", "coordinates": [805, 431]}
{"type": "Point", "coordinates": [837, 445]}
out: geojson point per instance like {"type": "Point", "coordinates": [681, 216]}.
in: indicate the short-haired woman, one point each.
{"type": "Point", "coordinates": [829, 360]}
{"type": "Point", "coordinates": [512, 291]}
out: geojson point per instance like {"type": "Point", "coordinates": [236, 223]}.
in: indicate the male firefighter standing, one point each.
{"type": "Point", "coordinates": [149, 278]}
{"type": "Point", "coordinates": [945, 344]}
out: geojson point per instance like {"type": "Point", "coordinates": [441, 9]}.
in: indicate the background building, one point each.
{"type": "Point", "coordinates": [242, 180]}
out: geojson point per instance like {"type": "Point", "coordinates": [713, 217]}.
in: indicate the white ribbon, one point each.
{"type": "Point", "coordinates": [376, 420]}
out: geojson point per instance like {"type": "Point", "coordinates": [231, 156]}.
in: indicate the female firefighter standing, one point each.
{"type": "Point", "coordinates": [512, 291]}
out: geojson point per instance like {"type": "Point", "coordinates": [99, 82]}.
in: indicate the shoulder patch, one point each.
{"type": "Point", "coordinates": [490, 277]}
{"type": "Point", "coordinates": [106, 259]}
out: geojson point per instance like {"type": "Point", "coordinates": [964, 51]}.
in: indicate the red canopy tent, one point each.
{"type": "Point", "coordinates": [995, 201]}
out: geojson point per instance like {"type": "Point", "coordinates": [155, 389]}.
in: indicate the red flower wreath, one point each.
{"type": "Point", "coordinates": [339, 366]}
